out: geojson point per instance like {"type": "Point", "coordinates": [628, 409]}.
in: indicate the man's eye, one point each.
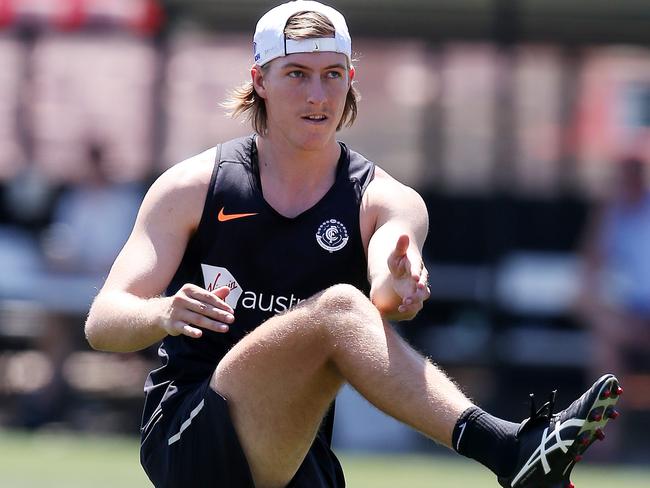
{"type": "Point", "coordinates": [296, 74]}
{"type": "Point", "coordinates": [333, 74]}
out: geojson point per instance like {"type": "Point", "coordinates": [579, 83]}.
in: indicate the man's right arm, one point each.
{"type": "Point", "coordinates": [129, 312]}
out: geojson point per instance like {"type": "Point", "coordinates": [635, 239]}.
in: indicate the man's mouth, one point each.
{"type": "Point", "coordinates": [315, 117]}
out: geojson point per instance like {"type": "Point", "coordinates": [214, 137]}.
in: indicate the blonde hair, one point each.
{"type": "Point", "coordinates": [244, 100]}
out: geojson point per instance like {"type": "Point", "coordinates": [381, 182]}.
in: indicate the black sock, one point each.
{"type": "Point", "coordinates": [489, 440]}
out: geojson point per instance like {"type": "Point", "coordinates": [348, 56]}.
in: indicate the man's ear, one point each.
{"type": "Point", "coordinates": [351, 73]}
{"type": "Point", "coordinates": [257, 77]}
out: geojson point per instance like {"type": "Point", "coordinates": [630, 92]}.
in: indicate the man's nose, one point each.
{"type": "Point", "coordinates": [317, 94]}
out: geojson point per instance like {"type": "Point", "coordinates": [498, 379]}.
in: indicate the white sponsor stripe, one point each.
{"type": "Point", "coordinates": [186, 424]}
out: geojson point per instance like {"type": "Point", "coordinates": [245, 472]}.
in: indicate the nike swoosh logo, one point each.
{"type": "Point", "coordinates": [222, 217]}
{"type": "Point", "coordinates": [460, 436]}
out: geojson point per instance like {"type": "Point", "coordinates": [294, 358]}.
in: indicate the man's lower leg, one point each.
{"type": "Point", "coordinates": [542, 451]}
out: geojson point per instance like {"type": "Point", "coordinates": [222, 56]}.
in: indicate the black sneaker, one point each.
{"type": "Point", "coordinates": [551, 444]}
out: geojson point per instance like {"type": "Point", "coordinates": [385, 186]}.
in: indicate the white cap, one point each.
{"type": "Point", "coordinates": [269, 41]}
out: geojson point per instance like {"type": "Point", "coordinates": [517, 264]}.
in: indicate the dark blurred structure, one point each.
{"type": "Point", "coordinates": [556, 21]}
{"type": "Point", "coordinates": [505, 114]}
{"type": "Point", "coordinates": [614, 298]}
{"type": "Point", "coordinates": [51, 277]}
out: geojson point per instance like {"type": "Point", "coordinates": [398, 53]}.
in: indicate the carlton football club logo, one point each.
{"type": "Point", "coordinates": [332, 235]}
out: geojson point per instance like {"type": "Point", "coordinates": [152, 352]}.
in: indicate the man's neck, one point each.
{"type": "Point", "coordinates": [292, 179]}
{"type": "Point", "coordinates": [289, 163]}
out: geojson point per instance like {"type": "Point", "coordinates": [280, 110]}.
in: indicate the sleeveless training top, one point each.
{"type": "Point", "coordinates": [270, 262]}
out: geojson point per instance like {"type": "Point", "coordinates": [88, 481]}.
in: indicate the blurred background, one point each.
{"type": "Point", "coordinates": [525, 125]}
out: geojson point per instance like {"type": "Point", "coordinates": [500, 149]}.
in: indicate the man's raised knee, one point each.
{"type": "Point", "coordinates": [346, 299]}
{"type": "Point", "coordinates": [344, 317]}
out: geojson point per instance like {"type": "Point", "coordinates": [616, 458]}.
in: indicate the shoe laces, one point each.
{"type": "Point", "coordinates": [543, 413]}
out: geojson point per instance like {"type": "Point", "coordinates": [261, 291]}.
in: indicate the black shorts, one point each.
{"type": "Point", "coordinates": [197, 446]}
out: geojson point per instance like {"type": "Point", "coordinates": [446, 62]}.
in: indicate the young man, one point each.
{"type": "Point", "coordinates": [283, 255]}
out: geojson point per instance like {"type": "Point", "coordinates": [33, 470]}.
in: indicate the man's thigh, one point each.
{"type": "Point", "coordinates": [279, 383]}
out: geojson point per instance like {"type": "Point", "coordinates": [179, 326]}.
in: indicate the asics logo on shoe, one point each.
{"type": "Point", "coordinates": [556, 442]}
{"type": "Point", "coordinates": [223, 217]}
{"type": "Point", "coordinates": [550, 444]}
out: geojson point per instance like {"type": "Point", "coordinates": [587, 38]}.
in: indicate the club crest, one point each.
{"type": "Point", "coordinates": [332, 235]}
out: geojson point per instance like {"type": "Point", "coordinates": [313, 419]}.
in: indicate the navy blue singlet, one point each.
{"type": "Point", "coordinates": [269, 261]}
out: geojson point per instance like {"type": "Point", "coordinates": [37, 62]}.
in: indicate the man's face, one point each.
{"type": "Point", "coordinates": [305, 96]}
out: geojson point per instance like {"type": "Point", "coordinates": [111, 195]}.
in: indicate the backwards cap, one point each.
{"type": "Point", "coordinates": [269, 41]}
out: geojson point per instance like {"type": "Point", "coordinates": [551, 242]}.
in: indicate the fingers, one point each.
{"type": "Point", "coordinates": [423, 283]}
{"type": "Point", "coordinates": [401, 265]}
{"type": "Point", "coordinates": [402, 245]}
{"type": "Point", "coordinates": [398, 262]}
{"type": "Point", "coordinates": [190, 331]}
{"type": "Point", "coordinates": [195, 326]}
{"type": "Point", "coordinates": [409, 277]}
{"type": "Point", "coordinates": [178, 328]}
{"type": "Point", "coordinates": [215, 298]}
{"type": "Point", "coordinates": [416, 268]}
{"type": "Point", "coordinates": [210, 311]}
{"type": "Point", "coordinates": [411, 310]}
{"type": "Point", "coordinates": [194, 309]}
{"type": "Point", "coordinates": [222, 292]}
{"type": "Point", "coordinates": [193, 320]}
{"type": "Point", "coordinates": [413, 302]}
{"type": "Point", "coordinates": [182, 328]}
{"type": "Point", "coordinates": [396, 256]}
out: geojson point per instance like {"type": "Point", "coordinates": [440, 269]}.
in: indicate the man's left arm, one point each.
{"type": "Point", "coordinates": [395, 223]}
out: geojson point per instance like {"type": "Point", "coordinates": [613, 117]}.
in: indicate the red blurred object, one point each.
{"type": "Point", "coordinates": [71, 16]}
{"type": "Point", "coordinates": [150, 19]}
{"type": "Point", "coordinates": [143, 16]}
{"type": "Point", "coordinates": [7, 12]}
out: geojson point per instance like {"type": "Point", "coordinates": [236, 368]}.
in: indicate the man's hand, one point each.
{"type": "Point", "coordinates": [193, 308]}
{"type": "Point", "coordinates": [408, 278]}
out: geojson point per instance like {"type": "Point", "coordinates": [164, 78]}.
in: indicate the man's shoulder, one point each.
{"type": "Point", "coordinates": [383, 181]}
{"type": "Point", "coordinates": [236, 150]}
{"type": "Point", "coordinates": [204, 161]}
{"type": "Point", "coordinates": [197, 162]}
{"type": "Point", "coordinates": [192, 175]}
{"type": "Point", "coordinates": [388, 193]}
{"type": "Point", "coordinates": [379, 176]}
{"type": "Point", "coordinates": [187, 179]}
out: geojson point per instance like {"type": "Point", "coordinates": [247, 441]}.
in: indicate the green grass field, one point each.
{"type": "Point", "coordinates": [71, 461]}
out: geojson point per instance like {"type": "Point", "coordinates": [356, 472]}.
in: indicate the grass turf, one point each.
{"type": "Point", "coordinates": [76, 461]}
